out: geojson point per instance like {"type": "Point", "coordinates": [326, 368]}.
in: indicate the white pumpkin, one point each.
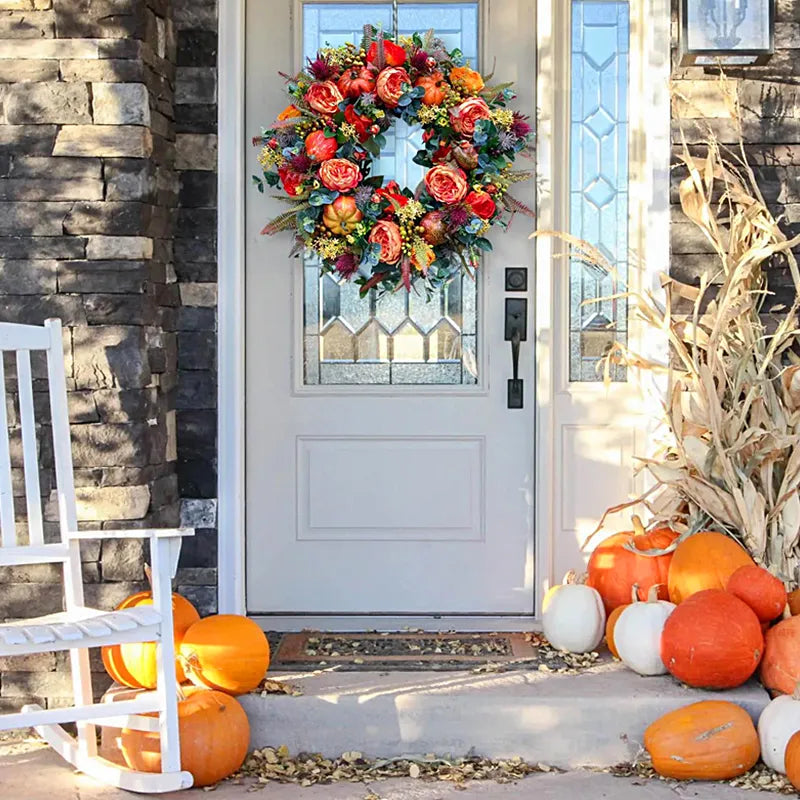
{"type": "Point", "coordinates": [573, 618]}
{"type": "Point", "coordinates": [778, 721]}
{"type": "Point", "coordinates": [637, 634]}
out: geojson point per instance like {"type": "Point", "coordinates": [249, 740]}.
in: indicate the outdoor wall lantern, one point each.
{"type": "Point", "coordinates": [732, 33]}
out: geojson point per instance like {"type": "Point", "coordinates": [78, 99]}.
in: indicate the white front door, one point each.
{"type": "Point", "coordinates": [385, 472]}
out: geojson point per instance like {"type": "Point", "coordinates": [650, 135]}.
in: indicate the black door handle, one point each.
{"type": "Point", "coordinates": [516, 331]}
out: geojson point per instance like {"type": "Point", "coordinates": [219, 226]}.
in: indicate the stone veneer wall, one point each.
{"type": "Point", "coordinates": [107, 177]}
{"type": "Point", "coordinates": [770, 101]}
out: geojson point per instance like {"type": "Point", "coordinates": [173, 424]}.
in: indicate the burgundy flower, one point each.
{"type": "Point", "coordinates": [419, 60]}
{"type": "Point", "coordinates": [346, 265]}
{"type": "Point", "coordinates": [300, 163]}
{"type": "Point", "coordinates": [321, 68]}
{"type": "Point", "coordinates": [519, 127]}
{"type": "Point", "coordinates": [459, 217]}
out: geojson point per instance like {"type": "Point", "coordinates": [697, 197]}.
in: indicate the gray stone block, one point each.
{"type": "Point", "coordinates": [27, 277]}
{"type": "Point", "coordinates": [27, 70]}
{"type": "Point", "coordinates": [114, 19]}
{"type": "Point", "coordinates": [196, 151]}
{"type": "Point", "coordinates": [31, 218]}
{"type": "Point", "coordinates": [47, 189]}
{"type": "Point", "coordinates": [27, 25]}
{"type": "Point", "coordinates": [118, 309]}
{"type": "Point", "coordinates": [37, 103]}
{"type": "Point", "coordinates": [112, 141]}
{"type": "Point", "coordinates": [89, 277]}
{"type": "Point", "coordinates": [120, 104]}
{"type": "Point", "coordinates": [97, 504]}
{"type": "Point", "coordinates": [203, 598]}
{"type": "Point", "coordinates": [110, 357]}
{"type": "Point", "coordinates": [111, 445]}
{"type": "Point", "coordinates": [196, 85]}
{"type": "Point", "coordinates": [106, 70]}
{"type": "Point", "coordinates": [34, 247]}
{"type": "Point", "coordinates": [106, 217]}
{"type": "Point", "coordinates": [29, 139]}
{"type": "Point", "coordinates": [195, 14]}
{"type": "Point", "coordinates": [131, 179]}
{"type": "Point", "coordinates": [25, 166]}
{"type": "Point", "coordinates": [199, 513]}
{"type": "Point", "coordinates": [35, 309]}
{"type": "Point", "coordinates": [22, 600]}
{"type": "Point", "coordinates": [124, 559]}
{"type": "Point", "coordinates": [126, 405]}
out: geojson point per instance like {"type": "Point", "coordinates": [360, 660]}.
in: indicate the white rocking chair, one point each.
{"type": "Point", "coordinates": [79, 627]}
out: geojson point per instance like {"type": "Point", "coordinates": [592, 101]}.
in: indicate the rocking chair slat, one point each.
{"type": "Point", "coordinates": [33, 498]}
{"type": "Point", "coordinates": [94, 627]}
{"type": "Point", "coordinates": [8, 535]}
{"type": "Point", "coordinates": [40, 634]}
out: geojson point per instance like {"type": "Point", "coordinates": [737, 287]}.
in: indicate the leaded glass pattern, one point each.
{"type": "Point", "coordinates": [396, 338]}
{"type": "Point", "coordinates": [598, 179]}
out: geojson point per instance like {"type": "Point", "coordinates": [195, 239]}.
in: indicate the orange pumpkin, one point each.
{"type": "Point", "coordinates": [435, 88]}
{"type": "Point", "coordinates": [761, 590]}
{"type": "Point", "coordinates": [225, 652]}
{"type": "Point", "coordinates": [794, 602]}
{"type": "Point", "coordinates": [341, 215]}
{"type": "Point", "coordinates": [712, 740]}
{"type": "Point", "coordinates": [712, 640]}
{"type": "Point", "coordinates": [614, 569]}
{"type": "Point", "coordinates": [214, 734]}
{"type": "Point", "coordinates": [792, 758]}
{"type": "Point", "coordinates": [610, 624]}
{"type": "Point", "coordinates": [705, 560]}
{"type": "Point", "coordinates": [356, 81]}
{"type": "Point", "coordinates": [134, 664]}
{"type": "Point", "coordinates": [780, 667]}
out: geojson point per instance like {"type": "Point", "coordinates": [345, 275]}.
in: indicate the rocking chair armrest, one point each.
{"type": "Point", "coordinates": [134, 533]}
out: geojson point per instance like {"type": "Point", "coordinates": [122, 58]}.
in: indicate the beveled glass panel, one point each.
{"type": "Point", "coordinates": [395, 338]}
{"type": "Point", "coordinates": [598, 180]}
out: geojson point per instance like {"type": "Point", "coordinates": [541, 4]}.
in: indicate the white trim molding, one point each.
{"type": "Point", "coordinates": [231, 327]}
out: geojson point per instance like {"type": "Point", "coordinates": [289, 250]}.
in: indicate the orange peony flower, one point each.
{"type": "Point", "coordinates": [387, 235]}
{"type": "Point", "coordinates": [446, 184]}
{"type": "Point", "coordinates": [391, 83]}
{"type": "Point", "coordinates": [290, 112]}
{"type": "Point", "coordinates": [466, 79]}
{"type": "Point", "coordinates": [464, 116]}
{"type": "Point", "coordinates": [324, 97]}
{"type": "Point", "coordinates": [339, 175]}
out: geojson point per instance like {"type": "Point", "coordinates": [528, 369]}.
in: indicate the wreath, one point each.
{"type": "Point", "coordinates": [322, 147]}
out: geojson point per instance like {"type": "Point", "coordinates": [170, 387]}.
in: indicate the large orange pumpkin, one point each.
{"type": "Point", "coordinates": [134, 664]}
{"type": "Point", "coordinates": [761, 590]}
{"type": "Point", "coordinates": [225, 652]}
{"type": "Point", "coordinates": [792, 759]}
{"type": "Point", "coordinates": [214, 734]}
{"type": "Point", "coordinates": [614, 569]}
{"type": "Point", "coordinates": [610, 625]}
{"type": "Point", "coordinates": [712, 740]}
{"type": "Point", "coordinates": [780, 667]}
{"type": "Point", "coordinates": [705, 560]}
{"type": "Point", "coordinates": [712, 640]}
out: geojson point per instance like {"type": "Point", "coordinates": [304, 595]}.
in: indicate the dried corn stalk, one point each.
{"type": "Point", "coordinates": [732, 408]}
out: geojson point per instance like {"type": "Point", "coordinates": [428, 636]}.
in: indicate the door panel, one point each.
{"type": "Point", "coordinates": [385, 473]}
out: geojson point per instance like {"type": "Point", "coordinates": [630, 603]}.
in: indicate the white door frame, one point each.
{"type": "Point", "coordinates": [650, 70]}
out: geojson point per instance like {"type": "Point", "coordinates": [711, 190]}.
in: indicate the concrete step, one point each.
{"type": "Point", "coordinates": [596, 718]}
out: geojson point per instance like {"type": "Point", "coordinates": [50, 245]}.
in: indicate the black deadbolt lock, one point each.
{"type": "Point", "coordinates": [516, 279]}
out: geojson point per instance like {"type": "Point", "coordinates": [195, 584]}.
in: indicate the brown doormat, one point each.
{"type": "Point", "coordinates": [413, 651]}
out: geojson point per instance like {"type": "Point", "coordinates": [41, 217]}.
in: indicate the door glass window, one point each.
{"type": "Point", "coordinates": [598, 180]}
{"type": "Point", "coordinates": [395, 338]}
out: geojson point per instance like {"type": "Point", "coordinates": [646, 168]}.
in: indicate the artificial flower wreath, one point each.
{"type": "Point", "coordinates": [322, 149]}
